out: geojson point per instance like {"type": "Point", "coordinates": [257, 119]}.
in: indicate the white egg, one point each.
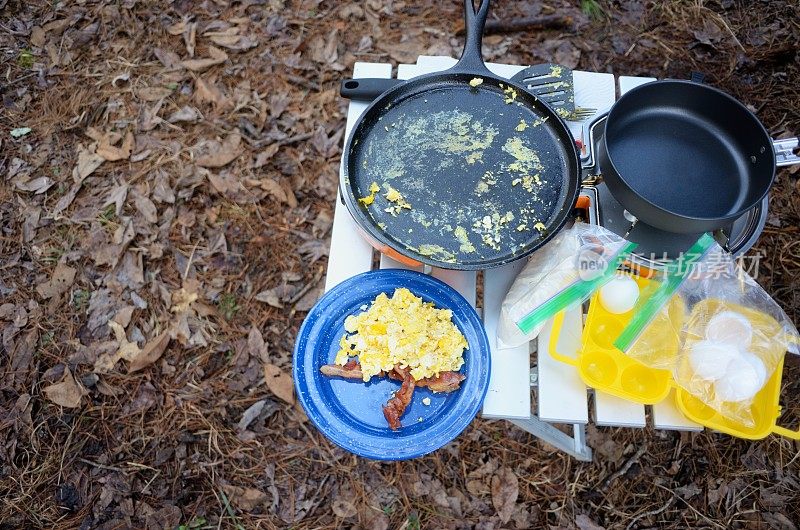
{"type": "Point", "coordinates": [709, 359]}
{"type": "Point", "coordinates": [756, 362]}
{"type": "Point", "coordinates": [620, 294]}
{"type": "Point", "coordinates": [730, 327]}
{"type": "Point", "coordinates": [741, 382]}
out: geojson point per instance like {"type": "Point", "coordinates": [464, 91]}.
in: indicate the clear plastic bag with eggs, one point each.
{"type": "Point", "coordinates": [732, 334]}
{"type": "Point", "coordinates": [563, 273]}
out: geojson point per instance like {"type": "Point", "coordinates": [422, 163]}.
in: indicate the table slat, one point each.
{"type": "Point", "coordinates": [509, 394]}
{"type": "Point", "coordinates": [667, 416]}
{"type": "Point", "coordinates": [562, 393]}
{"type": "Point", "coordinates": [612, 411]}
{"type": "Point", "coordinates": [350, 254]}
{"type": "Point", "coordinates": [627, 82]}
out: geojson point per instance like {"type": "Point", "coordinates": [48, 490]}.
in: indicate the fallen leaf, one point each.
{"type": "Point", "coordinates": [38, 36]}
{"type": "Point", "coordinates": [7, 311]}
{"type": "Point", "coordinates": [231, 38]}
{"type": "Point", "coordinates": [185, 114]}
{"type": "Point", "coordinates": [208, 92]}
{"type": "Point", "coordinates": [225, 184]}
{"type": "Point", "coordinates": [343, 508]}
{"type": "Point", "coordinates": [291, 200]}
{"type": "Point", "coordinates": [271, 187]}
{"type": "Point", "coordinates": [250, 414]}
{"type": "Point", "coordinates": [153, 93]}
{"type": "Point", "coordinates": [21, 357]}
{"type": "Point", "coordinates": [59, 282]}
{"type": "Point", "coordinates": [324, 50]}
{"type": "Point", "coordinates": [688, 491]}
{"type": "Point", "coordinates": [567, 54]}
{"type": "Point", "coordinates": [246, 499]}
{"type": "Point", "coordinates": [778, 521]}
{"type": "Point", "coordinates": [146, 208]}
{"type": "Point", "coordinates": [184, 297]}
{"type": "Point", "coordinates": [190, 37]}
{"type": "Point", "coordinates": [178, 28]}
{"type": "Point", "coordinates": [505, 490]}
{"type": "Point", "coordinates": [279, 383]}
{"type": "Point", "coordinates": [67, 393]}
{"type": "Point", "coordinates": [263, 157]}
{"type": "Point", "coordinates": [709, 34]}
{"type": "Point", "coordinates": [151, 352]}
{"type": "Point", "coordinates": [36, 186]}
{"type": "Point", "coordinates": [124, 315]}
{"type": "Point", "coordinates": [198, 65]}
{"type": "Point", "coordinates": [125, 350]}
{"type": "Point", "coordinates": [88, 162]}
{"type": "Point", "coordinates": [111, 153]}
{"type": "Point", "coordinates": [308, 300]}
{"type": "Point", "coordinates": [256, 345]}
{"type": "Point", "coordinates": [168, 58]}
{"type": "Point", "coordinates": [117, 197]}
{"type": "Point", "coordinates": [583, 522]}
{"type": "Point", "coordinates": [269, 297]}
{"type": "Point", "coordinates": [216, 154]}
{"type": "Point", "coordinates": [20, 131]}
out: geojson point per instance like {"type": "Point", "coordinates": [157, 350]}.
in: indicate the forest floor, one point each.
{"type": "Point", "coordinates": [167, 181]}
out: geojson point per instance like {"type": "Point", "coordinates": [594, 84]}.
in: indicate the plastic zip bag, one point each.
{"type": "Point", "coordinates": [564, 272]}
{"type": "Point", "coordinates": [732, 334]}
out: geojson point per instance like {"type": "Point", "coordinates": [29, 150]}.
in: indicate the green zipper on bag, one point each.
{"type": "Point", "coordinates": [675, 274]}
{"type": "Point", "coordinates": [578, 291]}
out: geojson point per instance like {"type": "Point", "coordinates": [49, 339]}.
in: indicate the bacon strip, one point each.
{"type": "Point", "coordinates": [396, 406]}
{"type": "Point", "coordinates": [445, 382]}
{"type": "Point", "coordinates": [351, 370]}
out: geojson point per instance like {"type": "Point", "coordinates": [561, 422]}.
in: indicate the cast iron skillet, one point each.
{"type": "Point", "coordinates": [490, 172]}
{"type": "Point", "coordinates": [685, 157]}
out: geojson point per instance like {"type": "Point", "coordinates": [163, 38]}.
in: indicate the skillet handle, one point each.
{"type": "Point", "coordinates": [785, 151]}
{"type": "Point", "coordinates": [367, 88]}
{"type": "Point", "coordinates": [471, 61]}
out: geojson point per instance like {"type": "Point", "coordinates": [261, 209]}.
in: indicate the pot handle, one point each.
{"type": "Point", "coordinates": [697, 77]}
{"type": "Point", "coordinates": [785, 151]}
{"type": "Point", "coordinates": [471, 60]}
{"type": "Point", "coordinates": [367, 88]}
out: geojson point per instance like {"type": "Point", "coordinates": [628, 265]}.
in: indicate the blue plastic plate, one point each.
{"type": "Point", "coordinates": [350, 412]}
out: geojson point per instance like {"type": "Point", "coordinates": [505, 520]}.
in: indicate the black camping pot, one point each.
{"type": "Point", "coordinates": [460, 169]}
{"type": "Point", "coordinates": [685, 157]}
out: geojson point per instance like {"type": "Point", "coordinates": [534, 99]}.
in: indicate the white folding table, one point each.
{"type": "Point", "coordinates": [562, 396]}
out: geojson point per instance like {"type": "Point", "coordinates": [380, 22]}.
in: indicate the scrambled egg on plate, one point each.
{"type": "Point", "coordinates": [403, 330]}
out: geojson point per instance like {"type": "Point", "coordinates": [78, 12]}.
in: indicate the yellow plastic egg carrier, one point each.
{"type": "Point", "coordinates": [765, 408]}
{"type": "Point", "coordinates": [604, 367]}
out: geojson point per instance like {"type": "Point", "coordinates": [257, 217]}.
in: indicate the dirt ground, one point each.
{"type": "Point", "coordinates": [168, 178]}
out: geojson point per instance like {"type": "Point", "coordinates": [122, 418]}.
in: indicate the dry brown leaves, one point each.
{"type": "Point", "coordinates": [279, 383]}
{"type": "Point", "coordinates": [505, 490]}
{"type": "Point", "coordinates": [217, 56]}
{"type": "Point", "coordinates": [246, 499]}
{"type": "Point", "coordinates": [216, 154]}
{"type": "Point", "coordinates": [59, 283]}
{"type": "Point", "coordinates": [67, 393]}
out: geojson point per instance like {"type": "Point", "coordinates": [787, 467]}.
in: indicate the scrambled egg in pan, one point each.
{"type": "Point", "coordinates": [403, 330]}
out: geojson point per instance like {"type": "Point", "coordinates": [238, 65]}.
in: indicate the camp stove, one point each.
{"type": "Point", "coordinates": [656, 247]}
